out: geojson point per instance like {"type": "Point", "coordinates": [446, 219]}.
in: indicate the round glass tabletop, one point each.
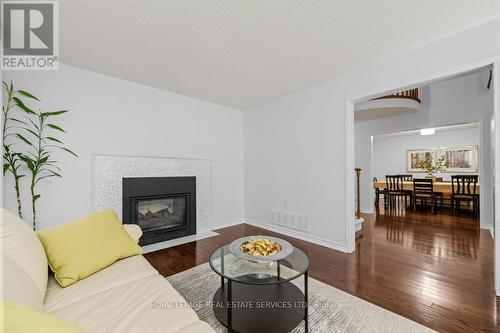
{"type": "Point", "coordinates": [247, 271]}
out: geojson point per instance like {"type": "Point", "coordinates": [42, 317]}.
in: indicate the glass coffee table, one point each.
{"type": "Point", "coordinates": [259, 296]}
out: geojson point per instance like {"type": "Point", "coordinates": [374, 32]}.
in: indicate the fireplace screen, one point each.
{"type": "Point", "coordinates": [154, 214]}
{"type": "Point", "coordinates": [164, 207]}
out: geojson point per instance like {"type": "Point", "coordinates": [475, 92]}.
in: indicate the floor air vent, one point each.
{"type": "Point", "coordinates": [290, 220]}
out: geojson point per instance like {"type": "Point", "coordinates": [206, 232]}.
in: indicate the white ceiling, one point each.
{"type": "Point", "coordinates": [241, 53]}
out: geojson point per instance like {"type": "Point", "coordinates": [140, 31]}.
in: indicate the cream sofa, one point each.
{"type": "Point", "coordinates": [128, 296]}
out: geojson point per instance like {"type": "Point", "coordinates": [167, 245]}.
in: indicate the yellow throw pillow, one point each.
{"type": "Point", "coordinates": [81, 248]}
{"type": "Point", "coordinates": [16, 318]}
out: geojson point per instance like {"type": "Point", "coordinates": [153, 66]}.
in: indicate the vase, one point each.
{"type": "Point", "coordinates": [430, 176]}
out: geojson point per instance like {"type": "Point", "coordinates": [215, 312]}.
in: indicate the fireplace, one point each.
{"type": "Point", "coordinates": [164, 207]}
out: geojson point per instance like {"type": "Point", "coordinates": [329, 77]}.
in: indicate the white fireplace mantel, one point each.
{"type": "Point", "coordinates": [108, 171]}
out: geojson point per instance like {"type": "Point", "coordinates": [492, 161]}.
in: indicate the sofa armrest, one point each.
{"type": "Point", "coordinates": [134, 231]}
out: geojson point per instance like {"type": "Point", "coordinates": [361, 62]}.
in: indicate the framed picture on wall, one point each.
{"type": "Point", "coordinates": [414, 157]}
{"type": "Point", "coordinates": [461, 159]}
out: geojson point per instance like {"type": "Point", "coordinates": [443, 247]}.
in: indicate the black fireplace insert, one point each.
{"type": "Point", "coordinates": [164, 207]}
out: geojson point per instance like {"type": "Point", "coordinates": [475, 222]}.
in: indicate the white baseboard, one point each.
{"type": "Point", "coordinates": [297, 234]}
{"type": "Point", "coordinates": [359, 223]}
{"type": "Point", "coordinates": [490, 228]}
{"type": "Point", "coordinates": [367, 211]}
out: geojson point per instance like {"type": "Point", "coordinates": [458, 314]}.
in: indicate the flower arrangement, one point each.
{"type": "Point", "coordinates": [430, 167]}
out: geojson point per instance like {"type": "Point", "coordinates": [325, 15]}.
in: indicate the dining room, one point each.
{"type": "Point", "coordinates": [434, 170]}
{"type": "Point", "coordinates": [437, 132]}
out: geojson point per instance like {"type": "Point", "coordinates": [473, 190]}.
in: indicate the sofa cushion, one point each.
{"type": "Point", "coordinates": [25, 271]}
{"type": "Point", "coordinates": [129, 296]}
{"type": "Point", "coordinates": [78, 249]}
{"type": "Point", "coordinates": [17, 286]}
{"type": "Point", "coordinates": [134, 231]}
{"type": "Point", "coordinates": [121, 272]}
{"type": "Point", "coordinates": [131, 308]}
{"type": "Point", "coordinates": [22, 319]}
{"type": "Point", "coordinates": [196, 327]}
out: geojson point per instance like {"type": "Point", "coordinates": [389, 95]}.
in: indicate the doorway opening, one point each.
{"type": "Point", "coordinates": [430, 116]}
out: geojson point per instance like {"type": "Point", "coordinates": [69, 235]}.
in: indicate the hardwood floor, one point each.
{"type": "Point", "coordinates": [435, 269]}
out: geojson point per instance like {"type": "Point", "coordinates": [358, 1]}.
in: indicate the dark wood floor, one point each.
{"type": "Point", "coordinates": [435, 269]}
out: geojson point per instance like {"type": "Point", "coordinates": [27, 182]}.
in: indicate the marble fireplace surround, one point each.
{"type": "Point", "coordinates": [108, 171]}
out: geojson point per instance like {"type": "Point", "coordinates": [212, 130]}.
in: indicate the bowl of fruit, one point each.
{"type": "Point", "coordinates": [261, 248]}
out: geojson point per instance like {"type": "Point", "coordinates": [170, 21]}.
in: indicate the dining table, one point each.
{"type": "Point", "coordinates": [442, 186]}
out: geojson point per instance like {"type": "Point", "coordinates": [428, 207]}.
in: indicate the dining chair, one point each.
{"type": "Point", "coordinates": [407, 178]}
{"type": "Point", "coordinates": [464, 188]}
{"type": "Point", "coordinates": [378, 192]}
{"type": "Point", "coordinates": [395, 190]}
{"type": "Point", "coordinates": [423, 189]}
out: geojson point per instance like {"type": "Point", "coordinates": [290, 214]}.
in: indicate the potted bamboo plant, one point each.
{"type": "Point", "coordinates": [29, 141]}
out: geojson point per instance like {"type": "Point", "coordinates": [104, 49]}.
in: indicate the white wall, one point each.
{"type": "Point", "coordinates": [117, 117]}
{"type": "Point", "coordinates": [294, 161]}
{"type": "Point", "coordinates": [389, 152]}
{"type": "Point", "coordinates": [295, 146]}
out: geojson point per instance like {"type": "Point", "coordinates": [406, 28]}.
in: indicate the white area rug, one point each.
{"type": "Point", "coordinates": [330, 309]}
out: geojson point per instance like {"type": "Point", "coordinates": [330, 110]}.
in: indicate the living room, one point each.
{"type": "Point", "coordinates": [200, 167]}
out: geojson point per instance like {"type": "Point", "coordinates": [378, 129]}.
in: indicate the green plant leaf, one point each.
{"type": "Point", "coordinates": [54, 126]}
{"type": "Point", "coordinates": [24, 139]}
{"type": "Point", "coordinates": [5, 168]}
{"type": "Point", "coordinates": [55, 174]}
{"type": "Point", "coordinates": [27, 94]}
{"type": "Point", "coordinates": [53, 139]}
{"type": "Point", "coordinates": [33, 123]}
{"type": "Point", "coordinates": [69, 151]}
{"type": "Point", "coordinates": [32, 132]}
{"type": "Point", "coordinates": [36, 197]}
{"type": "Point", "coordinates": [32, 155]}
{"type": "Point", "coordinates": [51, 172]}
{"type": "Point", "coordinates": [29, 163]}
{"type": "Point", "coordinates": [53, 113]}
{"type": "Point", "coordinates": [52, 165]}
{"type": "Point", "coordinates": [19, 121]}
{"type": "Point", "coordinates": [42, 160]}
{"type": "Point", "coordinates": [65, 149]}
{"type": "Point", "coordinates": [20, 104]}
{"type": "Point", "coordinates": [46, 176]}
